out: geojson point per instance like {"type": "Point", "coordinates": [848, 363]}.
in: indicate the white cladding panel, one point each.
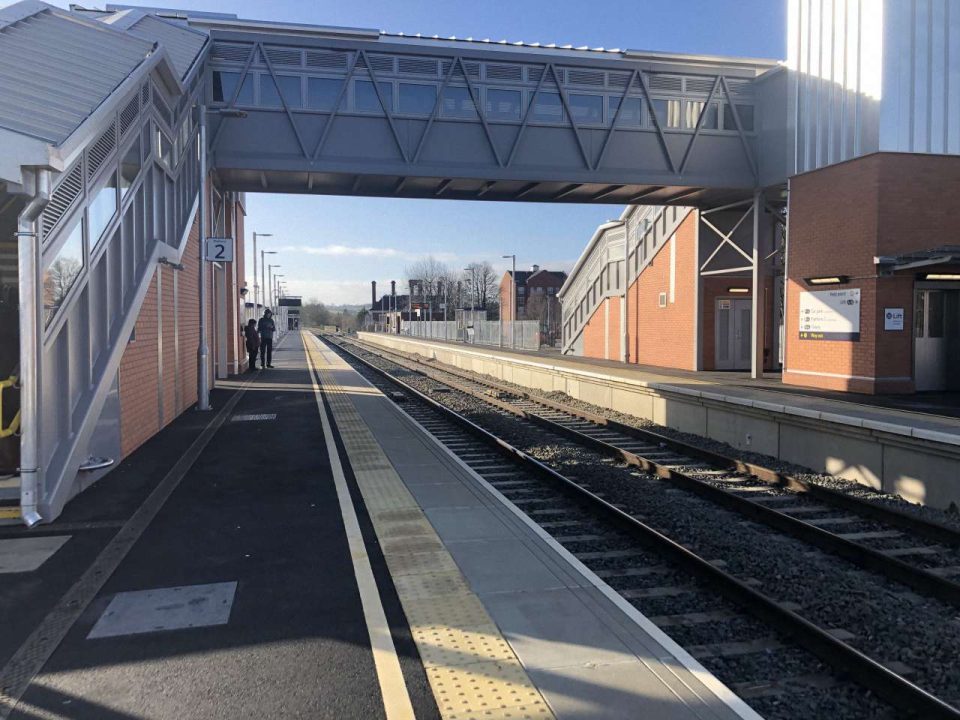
{"type": "Point", "coordinates": [920, 110]}
{"type": "Point", "coordinates": [835, 57]}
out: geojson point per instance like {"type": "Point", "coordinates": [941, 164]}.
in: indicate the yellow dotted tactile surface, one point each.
{"type": "Point", "coordinates": [473, 672]}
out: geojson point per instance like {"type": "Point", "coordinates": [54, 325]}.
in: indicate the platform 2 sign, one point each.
{"type": "Point", "coordinates": [218, 250]}
{"type": "Point", "coordinates": [830, 315]}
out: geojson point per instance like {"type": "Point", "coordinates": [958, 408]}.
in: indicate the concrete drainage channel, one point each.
{"type": "Point", "coordinates": [781, 605]}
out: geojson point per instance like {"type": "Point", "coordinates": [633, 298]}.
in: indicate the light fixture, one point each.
{"type": "Point", "coordinates": [828, 280]}
{"type": "Point", "coordinates": [738, 290]}
{"type": "Point", "coordinates": [941, 276]}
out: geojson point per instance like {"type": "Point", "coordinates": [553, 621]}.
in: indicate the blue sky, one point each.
{"type": "Point", "coordinates": [331, 247]}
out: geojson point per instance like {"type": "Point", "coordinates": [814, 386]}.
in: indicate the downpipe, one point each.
{"type": "Point", "coordinates": [28, 260]}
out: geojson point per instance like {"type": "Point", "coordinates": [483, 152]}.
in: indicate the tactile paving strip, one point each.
{"type": "Point", "coordinates": [472, 670]}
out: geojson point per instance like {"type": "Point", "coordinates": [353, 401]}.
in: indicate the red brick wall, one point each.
{"type": "Point", "coordinates": [665, 336]}
{"type": "Point", "coordinates": [139, 418]}
{"type": "Point", "coordinates": [840, 218]}
{"type": "Point", "coordinates": [506, 298]}
{"type": "Point", "coordinates": [601, 334]}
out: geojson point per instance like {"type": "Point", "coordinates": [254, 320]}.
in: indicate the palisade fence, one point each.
{"type": "Point", "coordinates": [480, 332]}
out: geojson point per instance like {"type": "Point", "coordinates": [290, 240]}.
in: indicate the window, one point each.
{"type": "Point", "coordinates": [289, 86]}
{"type": "Point", "coordinates": [365, 96]}
{"type": "Point", "coordinates": [694, 108]}
{"type": "Point", "coordinates": [631, 115]}
{"type": "Point", "coordinates": [62, 273]}
{"type": "Point", "coordinates": [129, 167]}
{"type": "Point", "coordinates": [457, 103]}
{"type": "Point", "coordinates": [322, 93]}
{"type": "Point", "coordinates": [548, 107]}
{"type": "Point", "coordinates": [164, 148]}
{"type": "Point", "coordinates": [102, 208]}
{"type": "Point", "coordinates": [503, 104]}
{"type": "Point", "coordinates": [667, 112]}
{"type": "Point", "coordinates": [225, 85]}
{"type": "Point", "coordinates": [417, 99]}
{"type": "Point", "coordinates": [745, 112]}
{"type": "Point", "coordinates": [587, 109]}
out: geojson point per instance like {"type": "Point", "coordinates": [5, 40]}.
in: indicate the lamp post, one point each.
{"type": "Point", "coordinates": [263, 274]}
{"type": "Point", "coordinates": [270, 277]}
{"type": "Point", "coordinates": [255, 286]}
{"type": "Point", "coordinates": [513, 303]}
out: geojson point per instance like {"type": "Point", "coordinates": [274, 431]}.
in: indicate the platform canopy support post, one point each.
{"type": "Point", "coordinates": [758, 307]}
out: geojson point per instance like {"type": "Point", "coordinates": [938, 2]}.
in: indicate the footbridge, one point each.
{"type": "Point", "coordinates": [128, 134]}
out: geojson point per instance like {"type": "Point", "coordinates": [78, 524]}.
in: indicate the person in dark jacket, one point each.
{"type": "Point", "coordinates": [253, 343]}
{"type": "Point", "coordinates": [267, 327]}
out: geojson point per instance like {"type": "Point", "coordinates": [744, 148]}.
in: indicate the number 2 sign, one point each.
{"type": "Point", "coordinates": [219, 250]}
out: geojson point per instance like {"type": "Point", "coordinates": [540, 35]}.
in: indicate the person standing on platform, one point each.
{"type": "Point", "coordinates": [253, 343]}
{"type": "Point", "coordinates": [267, 327]}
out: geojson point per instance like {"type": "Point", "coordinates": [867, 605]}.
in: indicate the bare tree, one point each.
{"type": "Point", "coordinates": [428, 278]}
{"type": "Point", "coordinates": [480, 284]}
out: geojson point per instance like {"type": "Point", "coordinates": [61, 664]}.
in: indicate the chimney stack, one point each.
{"type": "Point", "coordinates": [373, 293]}
{"type": "Point", "coordinates": [534, 268]}
{"type": "Point", "coordinates": [393, 288]}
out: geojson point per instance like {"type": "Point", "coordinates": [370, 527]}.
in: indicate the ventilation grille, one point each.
{"type": "Point", "coordinates": [229, 52]}
{"type": "Point", "coordinates": [284, 56]}
{"type": "Point", "coordinates": [698, 85]}
{"type": "Point", "coordinates": [473, 69]}
{"type": "Point", "coordinates": [378, 63]}
{"type": "Point", "coordinates": [129, 114]}
{"type": "Point", "coordinates": [331, 60]}
{"type": "Point", "coordinates": [101, 149]}
{"type": "Point", "coordinates": [618, 80]}
{"type": "Point", "coordinates": [593, 78]}
{"type": "Point", "coordinates": [740, 87]}
{"type": "Point", "coordinates": [504, 72]}
{"type": "Point", "coordinates": [62, 198]}
{"type": "Point", "coordinates": [668, 83]}
{"type": "Point", "coordinates": [163, 109]}
{"type": "Point", "coordinates": [417, 66]}
{"type": "Point", "coordinates": [145, 95]}
{"type": "Point", "coordinates": [534, 74]}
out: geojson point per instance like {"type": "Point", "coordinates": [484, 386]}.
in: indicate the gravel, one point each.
{"type": "Point", "coordinates": [887, 621]}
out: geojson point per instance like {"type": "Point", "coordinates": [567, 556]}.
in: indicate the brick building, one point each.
{"type": "Point", "coordinates": [536, 289]}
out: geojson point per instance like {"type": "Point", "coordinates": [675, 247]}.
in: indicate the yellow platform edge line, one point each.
{"type": "Point", "coordinates": [10, 512]}
{"type": "Point", "coordinates": [472, 670]}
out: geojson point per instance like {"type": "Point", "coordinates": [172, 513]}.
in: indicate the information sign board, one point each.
{"type": "Point", "coordinates": [893, 318]}
{"type": "Point", "coordinates": [830, 315]}
{"type": "Point", "coordinates": [219, 250]}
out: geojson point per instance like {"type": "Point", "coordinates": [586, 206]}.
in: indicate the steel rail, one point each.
{"type": "Point", "coordinates": [866, 557]}
{"type": "Point", "coordinates": [844, 658]}
{"type": "Point", "coordinates": [929, 529]}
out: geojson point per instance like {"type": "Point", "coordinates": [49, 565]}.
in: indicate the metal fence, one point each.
{"type": "Point", "coordinates": [482, 332]}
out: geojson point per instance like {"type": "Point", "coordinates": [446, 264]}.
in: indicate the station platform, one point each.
{"type": "Point", "coordinates": [307, 550]}
{"type": "Point", "coordinates": [908, 446]}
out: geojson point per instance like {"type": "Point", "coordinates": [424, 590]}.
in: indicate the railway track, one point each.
{"type": "Point", "coordinates": [781, 662]}
{"type": "Point", "coordinates": [921, 554]}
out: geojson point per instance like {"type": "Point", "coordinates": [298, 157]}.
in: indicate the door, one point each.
{"type": "Point", "coordinates": [936, 339]}
{"type": "Point", "coordinates": [732, 333]}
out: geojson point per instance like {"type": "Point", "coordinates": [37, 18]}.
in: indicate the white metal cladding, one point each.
{"type": "Point", "coordinates": [920, 107]}
{"type": "Point", "coordinates": [873, 75]}
{"type": "Point", "coordinates": [56, 70]}
{"type": "Point", "coordinates": [601, 270]}
{"type": "Point", "coordinates": [835, 57]}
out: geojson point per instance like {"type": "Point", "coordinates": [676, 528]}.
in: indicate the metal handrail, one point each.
{"type": "Point", "coordinates": [14, 426]}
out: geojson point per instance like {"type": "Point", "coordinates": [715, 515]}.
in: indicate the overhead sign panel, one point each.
{"type": "Point", "coordinates": [830, 315]}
